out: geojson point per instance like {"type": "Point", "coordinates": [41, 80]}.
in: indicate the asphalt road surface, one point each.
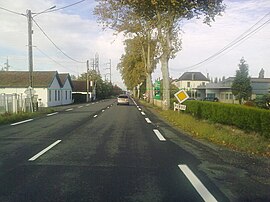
{"type": "Point", "coordinates": [105, 152]}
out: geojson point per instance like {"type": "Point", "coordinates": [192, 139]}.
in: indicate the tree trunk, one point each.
{"type": "Point", "coordinates": [149, 88]}
{"type": "Point", "coordinates": [166, 82]}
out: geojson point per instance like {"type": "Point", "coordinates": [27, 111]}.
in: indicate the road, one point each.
{"type": "Point", "coordinates": [100, 152]}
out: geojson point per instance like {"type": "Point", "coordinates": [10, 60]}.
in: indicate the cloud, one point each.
{"type": "Point", "coordinates": [201, 41]}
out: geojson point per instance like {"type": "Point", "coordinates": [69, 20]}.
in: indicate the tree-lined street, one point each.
{"type": "Point", "coordinates": [107, 152]}
{"type": "Point", "coordinates": [114, 156]}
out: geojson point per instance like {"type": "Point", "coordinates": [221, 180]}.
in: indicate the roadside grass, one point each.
{"type": "Point", "coordinates": [219, 134]}
{"type": "Point", "coordinates": [7, 118]}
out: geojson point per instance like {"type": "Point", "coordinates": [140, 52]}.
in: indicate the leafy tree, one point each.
{"type": "Point", "coordinates": [161, 16]}
{"type": "Point", "coordinates": [120, 16]}
{"type": "Point", "coordinates": [131, 64]}
{"type": "Point", "coordinates": [241, 87]}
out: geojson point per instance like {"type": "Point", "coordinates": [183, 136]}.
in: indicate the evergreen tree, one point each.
{"type": "Point", "coordinates": [241, 87]}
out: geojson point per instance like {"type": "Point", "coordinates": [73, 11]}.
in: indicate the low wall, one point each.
{"type": "Point", "coordinates": [158, 103]}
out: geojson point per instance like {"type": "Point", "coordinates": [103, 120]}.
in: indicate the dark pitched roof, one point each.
{"type": "Point", "coordinates": [65, 76]}
{"type": "Point", "coordinates": [193, 76]}
{"type": "Point", "coordinates": [20, 79]}
{"type": "Point", "coordinates": [79, 86]}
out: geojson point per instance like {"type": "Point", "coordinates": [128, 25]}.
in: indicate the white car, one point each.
{"type": "Point", "coordinates": [123, 99]}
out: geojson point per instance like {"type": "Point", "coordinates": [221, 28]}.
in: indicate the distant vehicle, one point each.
{"type": "Point", "coordinates": [123, 99]}
{"type": "Point", "coordinates": [211, 99]}
{"type": "Point", "coordinates": [191, 98]}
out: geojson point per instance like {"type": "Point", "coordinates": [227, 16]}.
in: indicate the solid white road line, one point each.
{"type": "Point", "coordinates": [44, 150]}
{"type": "Point", "coordinates": [143, 113]}
{"type": "Point", "coordinates": [158, 134]}
{"type": "Point", "coordinates": [197, 184]}
{"type": "Point", "coordinates": [52, 114]}
{"type": "Point", "coordinates": [95, 116]}
{"type": "Point", "coordinates": [69, 109]}
{"type": "Point", "coordinates": [14, 124]}
{"type": "Point", "coordinates": [148, 120]}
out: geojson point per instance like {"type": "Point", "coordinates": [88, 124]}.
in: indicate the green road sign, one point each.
{"type": "Point", "coordinates": [157, 90]}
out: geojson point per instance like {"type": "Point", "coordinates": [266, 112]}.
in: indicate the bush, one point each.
{"type": "Point", "coordinates": [243, 117]}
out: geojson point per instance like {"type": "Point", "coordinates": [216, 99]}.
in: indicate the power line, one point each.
{"type": "Point", "coordinates": [55, 44]}
{"type": "Point", "coordinates": [240, 38]}
{"type": "Point", "coordinates": [65, 6]}
{"type": "Point", "coordinates": [54, 60]}
{"type": "Point", "coordinates": [10, 11]}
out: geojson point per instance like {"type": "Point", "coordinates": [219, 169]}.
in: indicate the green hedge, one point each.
{"type": "Point", "coordinates": [243, 117]}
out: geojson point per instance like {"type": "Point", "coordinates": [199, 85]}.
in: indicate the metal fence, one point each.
{"type": "Point", "coordinates": [14, 103]}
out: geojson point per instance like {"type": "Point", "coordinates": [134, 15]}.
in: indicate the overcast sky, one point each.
{"type": "Point", "coordinates": [75, 31]}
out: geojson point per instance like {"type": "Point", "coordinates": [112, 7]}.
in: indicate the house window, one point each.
{"type": "Point", "coordinates": [203, 83]}
{"type": "Point", "coordinates": [50, 95]}
{"type": "Point", "coordinates": [58, 94]}
{"type": "Point", "coordinates": [188, 84]}
{"type": "Point", "coordinates": [66, 95]}
{"type": "Point", "coordinates": [55, 95]}
{"type": "Point", "coordinates": [70, 95]}
{"type": "Point", "coordinates": [231, 96]}
{"type": "Point", "coordinates": [226, 96]}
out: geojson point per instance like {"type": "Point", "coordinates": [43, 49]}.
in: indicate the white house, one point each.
{"type": "Point", "coordinates": [189, 81]}
{"type": "Point", "coordinates": [47, 86]}
{"type": "Point", "coordinates": [67, 86]}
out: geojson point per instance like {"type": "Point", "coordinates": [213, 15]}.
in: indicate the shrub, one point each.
{"type": "Point", "coordinates": [243, 117]}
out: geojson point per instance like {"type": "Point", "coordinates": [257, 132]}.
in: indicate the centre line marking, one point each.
{"type": "Point", "coordinates": [143, 113]}
{"type": "Point", "coordinates": [52, 114]}
{"type": "Point", "coordinates": [95, 116]}
{"type": "Point", "coordinates": [69, 109]}
{"type": "Point", "coordinates": [103, 110]}
{"type": "Point", "coordinates": [158, 134]}
{"type": "Point", "coordinates": [14, 124]}
{"type": "Point", "coordinates": [148, 120]}
{"type": "Point", "coordinates": [197, 184]}
{"type": "Point", "coordinates": [80, 107]}
{"type": "Point", "coordinates": [44, 150]}
{"type": "Point", "coordinates": [108, 107]}
{"type": "Point", "coordinates": [87, 105]}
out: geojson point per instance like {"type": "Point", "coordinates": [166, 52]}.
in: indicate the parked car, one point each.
{"type": "Point", "coordinates": [123, 99]}
{"type": "Point", "coordinates": [211, 99]}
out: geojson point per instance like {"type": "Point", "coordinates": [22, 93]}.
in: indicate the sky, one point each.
{"type": "Point", "coordinates": [76, 32]}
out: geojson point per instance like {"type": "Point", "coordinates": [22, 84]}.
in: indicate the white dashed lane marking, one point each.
{"type": "Point", "coordinates": [52, 114]}
{"type": "Point", "coordinates": [69, 110]}
{"type": "Point", "coordinates": [143, 113]}
{"type": "Point", "coordinates": [28, 120]}
{"type": "Point", "coordinates": [158, 134]}
{"type": "Point", "coordinates": [197, 184]}
{"type": "Point", "coordinates": [44, 150]}
{"type": "Point", "coordinates": [148, 120]}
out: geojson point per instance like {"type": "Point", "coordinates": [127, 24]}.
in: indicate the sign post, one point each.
{"type": "Point", "coordinates": [181, 96]}
{"type": "Point", "coordinates": [157, 90]}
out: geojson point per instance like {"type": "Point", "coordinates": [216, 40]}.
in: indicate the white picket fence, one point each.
{"type": "Point", "coordinates": [14, 103]}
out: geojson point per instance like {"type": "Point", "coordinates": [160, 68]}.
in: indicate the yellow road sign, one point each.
{"type": "Point", "coordinates": [181, 96]}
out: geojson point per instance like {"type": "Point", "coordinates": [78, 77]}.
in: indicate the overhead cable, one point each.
{"type": "Point", "coordinates": [240, 38]}
{"type": "Point", "coordinates": [55, 44]}
{"type": "Point", "coordinates": [5, 9]}
{"type": "Point", "coordinates": [57, 9]}
{"type": "Point", "coordinates": [53, 59]}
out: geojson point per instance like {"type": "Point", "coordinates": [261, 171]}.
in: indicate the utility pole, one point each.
{"type": "Point", "coordinates": [6, 66]}
{"type": "Point", "coordinates": [30, 47]}
{"type": "Point", "coordinates": [110, 68]}
{"type": "Point", "coordinates": [87, 81]}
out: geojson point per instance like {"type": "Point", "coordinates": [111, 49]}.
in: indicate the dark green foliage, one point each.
{"type": "Point", "coordinates": [243, 117]}
{"type": "Point", "coordinates": [241, 87]}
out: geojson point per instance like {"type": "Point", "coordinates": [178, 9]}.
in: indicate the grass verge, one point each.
{"type": "Point", "coordinates": [219, 134]}
{"type": "Point", "coordinates": [12, 118]}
